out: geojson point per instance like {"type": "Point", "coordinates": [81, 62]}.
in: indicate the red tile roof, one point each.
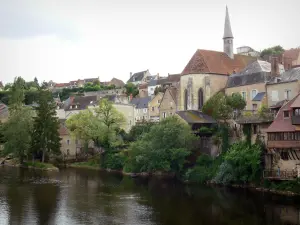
{"type": "Point", "coordinates": [206, 61]}
{"type": "Point", "coordinates": [281, 124]}
{"type": "Point", "coordinates": [61, 85]}
{"type": "Point", "coordinates": [292, 53]}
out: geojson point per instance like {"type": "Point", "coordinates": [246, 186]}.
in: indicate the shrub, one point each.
{"type": "Point", "coordinates": [114, 161]}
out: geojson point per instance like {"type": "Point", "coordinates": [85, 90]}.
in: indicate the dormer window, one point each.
{"type": "Point", "coordinates": [286, 114]}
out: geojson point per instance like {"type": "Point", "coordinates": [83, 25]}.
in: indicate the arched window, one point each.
{"type": "Point", "coordinates": [185, 99]}
{"type": "Point", "coordinates": [200, 98]}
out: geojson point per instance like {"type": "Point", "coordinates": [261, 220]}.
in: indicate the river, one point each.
{"type": "Point", "coordinates": [78, 196]}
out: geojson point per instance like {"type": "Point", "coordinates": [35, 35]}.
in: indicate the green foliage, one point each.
{"type": "Point", "coordinates": [163, 148]}
{"type": "Point", "coordinates": [158, 89]}
{"type": "Point", "coordinates": [138, 130]}
{"type": "Point", "coordinates": [247, 133]}
{"type": "Point", "coordinates": [236, 101]}
{"type": "Point", "coordinates": [205, 169]}
{"type": "Point", "coordinates": [205, 130]}
{"type": "Point", "coordinates": [131, 89]}
{"type": "Point", "coordinates": [275, 50]}
{"type": "Point", "coordinates": [242, 164]}
{"type": "Point", "coordinates": [45, 135]}
{"type": "Point", "coordinates": [114, 161]}
{"type": "Point", "coordinates": [39, 165]}
{"type": "Point", "coordinates": [293, 186]}
{"type": "Point", "coordinates": [224, 137]}
{"type": "Point", "coordinates": [263, 111]}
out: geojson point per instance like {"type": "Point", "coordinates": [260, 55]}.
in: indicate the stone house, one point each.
{"type": "Point", "coordinates": [141, 108]}
{"type": "Point", "coordinates": [283, 146]}
{"type": "Point", "coordinates": [246, 50]}
{"type": "Point", "coordinates": [294, 55]}
{"type": "Point", "coordinates": [207, 72]}
{"type": "Point", "coordinates": [139, 77]}
{"type": "Point", "coordinates": [153, 107]}
{"type": "Point", "coordinates": [286, 87]}
{"type": "Point", "coordinates": [168, 105]}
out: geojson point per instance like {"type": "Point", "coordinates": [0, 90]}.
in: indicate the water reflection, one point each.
{"type": "Point", "coordinates": [90, 197]}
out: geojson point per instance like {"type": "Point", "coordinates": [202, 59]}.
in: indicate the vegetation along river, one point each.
{"type": "Point", "coordinates": [78, 196]}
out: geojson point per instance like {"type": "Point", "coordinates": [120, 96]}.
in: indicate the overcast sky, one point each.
{"type": "Point", "coordinates": [64, 40]}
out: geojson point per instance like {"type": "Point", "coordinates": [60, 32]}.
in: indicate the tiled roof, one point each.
{"type": "Point", "coordinates": [281, 124]}
{"type": "Point", "coordinates": [259, 96]}
{"type": "Point", "coordinates": [194, 116]}
{"type": "Point", "coordinates": [82, 102]}
{"type": "Point", "coordinates": [61, 85]}
{"type": "Point", "coordinates": [137, 76]}
{"type": "Point", "coordinates": [141, 103]}
{"type": "Point", "coordinates": [206, 61]}
{"type": "Point", "coordinates": [292, 53]}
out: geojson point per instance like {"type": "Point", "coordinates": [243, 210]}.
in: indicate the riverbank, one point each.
{"type": "Point", "coordinates": [30, 165]}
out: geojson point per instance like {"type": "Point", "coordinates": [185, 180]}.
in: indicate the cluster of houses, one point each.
{"type": "Point", "coordinates": [272, 82]}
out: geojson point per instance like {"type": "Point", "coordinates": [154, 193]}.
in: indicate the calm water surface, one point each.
{"type": "Point", "coordinates": [90, 197]}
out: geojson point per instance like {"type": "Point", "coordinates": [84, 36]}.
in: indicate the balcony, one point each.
{"type": "Point", "coordinates": [296, 120]}
{"type": "Point", "coordinates": [252, 116]}
{"type": "Point", "coordinates": [283, 144]}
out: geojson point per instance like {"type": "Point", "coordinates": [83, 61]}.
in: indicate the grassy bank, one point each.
{"type": "Point", "coordinates": [87, 165]}
{"type": "Point", "coordinates": [40, 165]}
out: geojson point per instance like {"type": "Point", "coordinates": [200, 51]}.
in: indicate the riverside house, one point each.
{"type": "Point", "coordinates": [141, 108]}
{"type": "Point", "coordinates": [283, 146]}
{"type": "Point", "coordinates": [153, 107]}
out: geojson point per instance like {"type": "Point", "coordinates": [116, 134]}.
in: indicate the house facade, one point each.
{"type": "Point", "coordinates": [168, 105]}
{"type": "Point", "coordinates": [143, 90]}
{"type": "Point", "coordinates": [283, 146]}
{"type": "Point", "coordinates": [141, 109]}
{"type": "Point", "coordinates": [153, 107]}
{"type": "Point", "coordinates": [139, 77]}
{"type": "Point", "coordinates": [128, 111]}
{"type": "Point", "coordinates": [207, 72]}
{"type": "Point", "coordinates": [294, 55]}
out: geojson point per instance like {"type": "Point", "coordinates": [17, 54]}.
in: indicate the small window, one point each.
{"type": "Point", "coordinates": [158, 101]}
{"type": "Point", "coordinates": [286, 114]}
{"type": "Point", "coordinates": [145, 110]}
{"type": "Point", "coordinates": [254, 129]}
{"type": "Point", "coordinates": [254, 107]}
{"type": "Point", "coordinates": [244, 95]}
{"type": "Point", "coordinates": [253, 93]}
{"type": "Point", "coordinates": [164, 114]}
{"type": "Point", "coordinates": [287, 94]}
{"type": "Point", "coordinates": [284, 155]}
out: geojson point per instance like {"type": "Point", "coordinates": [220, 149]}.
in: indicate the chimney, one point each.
{"type": "Point", "coordinates": [274, 66]}
{"type": "Point", "coordinates": [130, 74]}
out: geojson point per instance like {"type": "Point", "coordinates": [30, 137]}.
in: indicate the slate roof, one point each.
{"type": "Point", "coordinates": [162, 81]}
{"type": "Point", "coordinates": [137, 76]}
{"type": "Point", "coordinates": [281, 124]}
{"type": "Point", "coordinates": [259, 96]}
{"type": "Point", "coordinates": [206, 61]}
{"type": "Point", "coordinates": [292, 74]}
{"type": "Point", "coordinates": [194, 116]}
{"type": "Point", "coordinates": [236, 80]}
{"type": "Point", "coordinates": [278, 104]}
{"type": "Point", "coordinates": [82, 102]}
{"type": "Point", "coordinates": [141, 103]}
{"type": "Point", "coordinates": [152, 83]}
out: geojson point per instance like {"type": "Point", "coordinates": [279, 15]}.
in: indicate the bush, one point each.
{"type": "Point", "coordinates": [242, 164]}
{"type": "Point", "coordinates": [164, 148]}
{"type": "Point", "coordinates": [114, 161]}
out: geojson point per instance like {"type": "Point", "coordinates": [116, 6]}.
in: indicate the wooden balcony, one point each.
{"type": "Point", "coordinates": [280, 175]}
{"type": "Point", "coordinates": [296, 120]}
{"type": "Point", "coordinates": [283, 144]}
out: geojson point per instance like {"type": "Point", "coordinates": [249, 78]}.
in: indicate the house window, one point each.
{"type": "Point", "coordinates": [254, 129]}
{"type": "Point", "coordinates": [254, 107]}
{"type": "Point", "coordinates": [287, 94]}
{"type": "Point", "coordinates": [244, 95]}
{"type": "Point", "coordinates": [200, 98]}
{"type": "Point", "coordinates": [164, 114]}
{"type": "Point", "coordinates": [275, 97]}
{"type": "Point", "coordinates": [145, 110]}
{"type": "Point", "coordinates": [68, 142]}
{"type": "Point", "coordinates": [286, 114]}
{"type": "Point", "coordinates": [284, 155]}
{"type": "Point", "coordinates": [185, 99]}
{"type": "Point", "coordinates": [152, 109]}
{"type": "Point", "coordinates": [253, 93]}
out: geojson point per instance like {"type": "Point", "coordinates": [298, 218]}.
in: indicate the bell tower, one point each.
{"type": "Point", "coordinates": [228, 37]}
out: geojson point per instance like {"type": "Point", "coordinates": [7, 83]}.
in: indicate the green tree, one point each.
{"type": "Point", "coordinates": [131, 89]}
{"type": "Point", "coordinates": [17, 130]}
{"type": "Point", "coordinates": [275, 50]}
{"type": "Point", "coordinates": [158, 89]}
{"type": "Point", "coordinates": [7, 86]}
{"type": "Point", "coordinates": [164, 148]}
{"type": "Point", "coordinates": [45, 135]}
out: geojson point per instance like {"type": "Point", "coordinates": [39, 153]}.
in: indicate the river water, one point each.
{"type": "Point", "coordinates": [78, 196]}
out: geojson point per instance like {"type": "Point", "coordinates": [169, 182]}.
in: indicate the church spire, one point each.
{"type": "Point", "coordinates": [228, 37]}
{"type": "Point", "coordinates": [227, 27]}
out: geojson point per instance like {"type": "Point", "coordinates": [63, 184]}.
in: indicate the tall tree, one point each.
{"type": "Point", "coordinates": [275, 50]}
{"type": "Point", "coordinates": [131, 89]}
{"type": "Point", "coordinates": [45, 135]}
{"type": "Point", "coordinates": [17, 129]}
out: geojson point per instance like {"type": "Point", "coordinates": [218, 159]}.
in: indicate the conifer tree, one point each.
{"type": "Point", "coordinates": [45, 135]}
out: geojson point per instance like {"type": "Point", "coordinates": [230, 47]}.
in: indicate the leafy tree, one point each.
{"type": "Point", "coordinates": [275, 50]}
{"type": "Point", "coordinates": [158, 89]}
{"type": "Point", "coordinates": [45, 136]}
{"type": "Point", "coordinates": [236, 101]}
{"type": "Point", "coordinates": [17, 129]}
{"type": "Point", "coordinates": [131, 89]}
{"type": "Point", "coordinates": [138, 130]}
{"type": "Point", "coordinates": [164, 148]}
{"type": "Point", "coordinates": [7, 86]}
{"type": "Point", "coordinates": [96, 83]}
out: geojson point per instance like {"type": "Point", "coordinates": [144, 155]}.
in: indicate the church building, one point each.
{"type": "Point", "coordinates": [207, 72]}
